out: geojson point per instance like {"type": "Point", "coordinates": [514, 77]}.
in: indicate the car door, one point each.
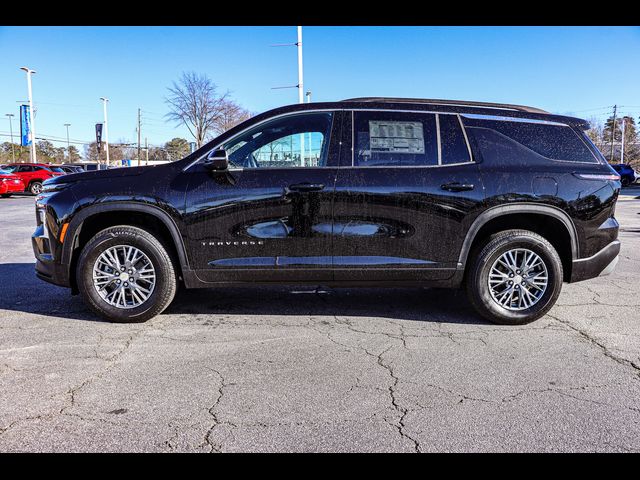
{"type": "Point", "coordinates": [268, 218]}
{"type": "Point", "coordinates": [404, 194]}
{"type": "Point", "coordinates": [26, 173]}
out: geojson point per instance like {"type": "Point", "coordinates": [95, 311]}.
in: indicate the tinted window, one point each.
{"type": "Point", "coordinates": [452, 142]}
{"type": "Point", "coordinates": [25, 168]}
{"type": "Point", "coordinates": [292, 141]}
{"type": "Point", "coordinates": [394, 139]}
{"type": "Point", "coordinates": [556, 142]}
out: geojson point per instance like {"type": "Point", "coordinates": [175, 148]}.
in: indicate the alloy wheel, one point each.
{"type": "Point", "coordinates": [124, 276]}
{"type": "Point", "coordinates": [518, 279]}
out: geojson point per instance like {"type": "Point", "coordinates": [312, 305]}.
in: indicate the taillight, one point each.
{"type": "Point", "coordinates": [598, 176]}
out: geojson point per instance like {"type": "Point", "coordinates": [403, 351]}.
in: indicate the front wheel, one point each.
{"type": "Point", "coordinates": [125, 274]}
{"type": "Point", "coordinates": [625, 181]}
{"type": "Point", "coordinates": [515, 278]}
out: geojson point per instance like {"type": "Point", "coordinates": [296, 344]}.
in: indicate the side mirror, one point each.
{"type": "Point", "coordinates": [217, 161]}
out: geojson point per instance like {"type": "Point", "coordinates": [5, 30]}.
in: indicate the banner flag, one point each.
{"type": "Point", "coordinates": [25, 125]}
{"type": "Point", "coordinates": [99, 137]}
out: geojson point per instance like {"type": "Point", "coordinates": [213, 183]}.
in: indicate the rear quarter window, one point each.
{"type": "Point", "coordinates": [453, 146]}
{"type": "Point", "coordinates": [554, 142]}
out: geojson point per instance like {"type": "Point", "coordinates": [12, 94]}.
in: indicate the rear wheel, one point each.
{"type": "Point", "coordinates": [625, 181]}
{"type": "Point", "coordinates": [125, 274]}
{"type": "Point", "coordinates": [515, 278]}
{"type": "Point", "coordinates": [35, 187]}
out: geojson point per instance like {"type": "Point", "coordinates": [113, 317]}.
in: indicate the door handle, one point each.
{"type": "Point", "coordinates": [306, 187]}
{"type": "Point", "coordinates": [456, 186]}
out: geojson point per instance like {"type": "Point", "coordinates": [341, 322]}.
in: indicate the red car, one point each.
{"type": "Point", "coordinates": [33, 174]}
{"type": "Point", "coordinates": [9, 184]}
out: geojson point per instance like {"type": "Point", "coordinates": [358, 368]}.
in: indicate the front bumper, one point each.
{"type": "Point", "coordinates": [602, 263]}
{"type": "Point", "coordinates": [47, 268]}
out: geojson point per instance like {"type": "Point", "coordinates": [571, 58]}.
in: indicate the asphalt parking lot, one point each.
{"type": "Point", "coordinates": [318, 369]}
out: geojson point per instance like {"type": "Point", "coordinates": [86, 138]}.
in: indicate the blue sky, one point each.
{"type": "Point", "coordinates": [576, 70]}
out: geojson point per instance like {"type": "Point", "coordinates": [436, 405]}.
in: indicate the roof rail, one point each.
{"type": "Point", "coordinates": [463, 103]}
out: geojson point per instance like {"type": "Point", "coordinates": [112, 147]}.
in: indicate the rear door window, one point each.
{"type": "Point", "coordinates": [394, 139]}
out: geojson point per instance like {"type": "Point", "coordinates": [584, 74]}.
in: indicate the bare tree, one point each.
{"type": "Point", "coordinates": [596, 133]}
{"type": "Point", "coordinates": [231, 114]}
{"type": "Point", "coordinates": [195, 102]}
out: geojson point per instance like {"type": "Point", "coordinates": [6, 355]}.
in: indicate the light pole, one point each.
{"type": "Point", "coordinates": [299, 86]}
{"type": "Point", "coordinates": [68, 147]}
{"type": "Point", "coordinates": [31, 114]}
{"type": "Point", "coordinates": [13, 153]}
{"type": "Point", "coordinates": [300, 90]}
{"type": "Point", "coordinates": [300, 81]}
{"type": "Point", "coordinates": [106, 126]}
{"type": "Point", "coordinates": [311, 160]}
{"type": "Point", "coordinates": [622, 143]}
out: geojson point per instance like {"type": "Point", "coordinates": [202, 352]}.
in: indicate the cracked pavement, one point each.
{"type": "Point", "coordinates": [318, 369]}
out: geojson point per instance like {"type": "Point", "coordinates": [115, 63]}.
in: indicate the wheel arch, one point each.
{"type": "Point", "coordinates": [551, 222]}
{"type": "Point", "coordinates": [97, 217]}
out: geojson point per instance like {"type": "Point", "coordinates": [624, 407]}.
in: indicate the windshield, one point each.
{"type": "Point", "coordinates": [9, 168]}
{"type": "Point", "coordinates": [4, 171]}
{"type": "Point", "coordinates": [56, 169]}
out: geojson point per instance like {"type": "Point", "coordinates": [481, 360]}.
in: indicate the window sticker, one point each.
{"type": "Point", "coordinates": [396, 137]}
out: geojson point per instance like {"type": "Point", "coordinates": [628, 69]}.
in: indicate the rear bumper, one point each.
{"type": "Point", "coordinates": [602, 263]}
{"type": "Point", "coordinates": [11, 187]}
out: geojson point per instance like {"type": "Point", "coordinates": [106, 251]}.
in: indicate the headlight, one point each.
{"type": "Point", "coordinates": [42, 215]}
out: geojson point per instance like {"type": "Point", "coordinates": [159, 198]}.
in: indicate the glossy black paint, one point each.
{"type": "Point", "coordinates": [339, 223]}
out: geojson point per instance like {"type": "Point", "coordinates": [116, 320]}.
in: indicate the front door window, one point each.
{"type": "Point", "coordinates": [289, 142]}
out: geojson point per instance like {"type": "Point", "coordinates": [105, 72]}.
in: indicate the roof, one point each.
{"type": "Point", "coordinates": [465, 103]}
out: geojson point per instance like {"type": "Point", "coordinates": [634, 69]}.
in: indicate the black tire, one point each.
{"type": "Point", "coordinates": [166, 280]}
{"type": "Point", "coordinates": [477, 280]}
{"type": "Point", "coordinates": [35, 188]}
{"type": "Point", "coordinates": [6, 195]}
{"type": "Point", "coordinates": [625, 181]}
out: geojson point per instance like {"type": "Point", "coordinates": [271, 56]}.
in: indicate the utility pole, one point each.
{"type": "Point", "coordinates": [106, 126]}
{"type": "Point", "coordinates": [613, 131]}
{"type": "Point", "coordinates": [13, 152]}
{"type": "Point", "coordinates": [146, 151]}
{"type": "Point", "coordinates": [32, 116]}
{"type": "Point", "coordinates": [139, 122]}
{"type": "Point", "coordinates": [622, 144]}
{"type": "Point", "coordinates": [68, 147]}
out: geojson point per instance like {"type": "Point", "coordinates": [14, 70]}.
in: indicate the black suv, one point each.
{"type": "Point", "coordinates": [505, 200]}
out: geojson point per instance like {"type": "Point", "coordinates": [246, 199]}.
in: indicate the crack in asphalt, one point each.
{"type": "Point", "coordinates": [603, 348]}
{"type": "Point", "coordinates": [73, 391]}
{"type": "Point", "coordinates": [402, 412]}
{"type": "Point", "coordinates": [216, 447]}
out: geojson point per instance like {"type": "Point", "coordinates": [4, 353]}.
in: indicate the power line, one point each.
{"type": "Point", "coordinates": [592, 109]}
{"type": "Point", "coordinates": [50, 138]}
